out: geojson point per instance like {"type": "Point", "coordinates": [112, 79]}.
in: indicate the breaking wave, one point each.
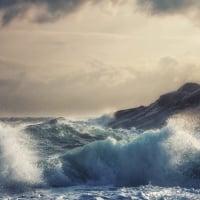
{"type": "Point", "coordinates": [164, 157]}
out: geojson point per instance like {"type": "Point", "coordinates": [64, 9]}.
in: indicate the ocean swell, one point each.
{"type": "Point", "coordinates": [164, 157]}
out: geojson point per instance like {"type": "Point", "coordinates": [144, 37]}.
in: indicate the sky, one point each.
{"type": "Point", "coordinates": [78, 58]}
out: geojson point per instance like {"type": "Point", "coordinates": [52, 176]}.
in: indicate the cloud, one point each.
{"type": "Point", "coordinates": [168, 6]}
{"type": "Point", "coordinates": [43, 10]}
{"type": "Point", "coordinates": [93, 89]}
{"type": "Point", "coordinates": [23, 91]}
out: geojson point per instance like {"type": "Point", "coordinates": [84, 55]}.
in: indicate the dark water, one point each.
{"type": "Point", "coordinates": [86, 160]}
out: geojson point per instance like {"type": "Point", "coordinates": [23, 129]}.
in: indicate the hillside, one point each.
{"type": "Point", "coordinates": [186, 98]}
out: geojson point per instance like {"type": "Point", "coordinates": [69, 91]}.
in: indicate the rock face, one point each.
{"type": "Point", "coordinates": [155, 115]}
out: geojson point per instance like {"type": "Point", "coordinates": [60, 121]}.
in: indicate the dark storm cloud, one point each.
{"type": "Point", "coordinates": [168, 6]}
{"type": "Point", "coordinates": [52, 9]}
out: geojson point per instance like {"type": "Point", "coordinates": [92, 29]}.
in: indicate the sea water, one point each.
{"type": "Point", "coordinates": [66, 159]}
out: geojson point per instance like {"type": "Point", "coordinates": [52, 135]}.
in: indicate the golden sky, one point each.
{"type": "Point", "coordinates": [88, 57]}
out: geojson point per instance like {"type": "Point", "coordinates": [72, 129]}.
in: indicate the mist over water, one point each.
{"type": "Point", "coordinates": [18, 160]}
{"type": "Point", "coordinates": [84, 153]}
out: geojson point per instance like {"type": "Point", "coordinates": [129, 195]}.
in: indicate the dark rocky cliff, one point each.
{"type": "Point", "coordinates": [155, 115]}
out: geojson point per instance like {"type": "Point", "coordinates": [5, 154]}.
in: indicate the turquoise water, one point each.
{"type": "Point", "coordinates": [86, 160]}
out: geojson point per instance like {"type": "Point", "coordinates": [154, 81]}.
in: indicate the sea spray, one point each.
{"type": "Point", "coordinates": [18, 161]}
{"type": "Point", "coordinates": [184, 147]}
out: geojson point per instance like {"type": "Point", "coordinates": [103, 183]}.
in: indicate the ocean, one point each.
{"type": "Point", "coordinates": [87, 160]}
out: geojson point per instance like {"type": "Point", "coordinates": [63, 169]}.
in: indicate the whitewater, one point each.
{"type": "Point", "coordinates": [87, 160]}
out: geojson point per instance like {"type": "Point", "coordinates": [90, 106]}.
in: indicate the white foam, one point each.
{"type": "Point", "coordinates": [18, 161]}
